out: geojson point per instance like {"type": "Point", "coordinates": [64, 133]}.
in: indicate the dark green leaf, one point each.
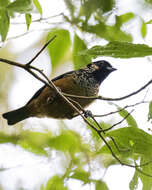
{"type": "Point", "coordinates": [4, 23]}
{"type": "Point", "coordinates": [81, 175]}
{"type": "Point", "coordinates": [28, 20]}
{"type": "Point", "coordinates": [20, 6]}
{"type": "Point", "coordinates": [120, 50]}
{"type": "Point", "coordinates": [150, 111]}
{"type": "Point", "coordinates": [56, 183]}
{"type": "Point", "coordinates": [143, 29]}
{"type": "Point", "coordinates": [134, 181]}
{"type": "Point", "coordinates": [100, 185]}
{"type": "Point", "coordinates": [59, 47]}
{"type": "Point", "coordinates": [79, 60]}
{"type": "Point", "coordinates": [38, 6]}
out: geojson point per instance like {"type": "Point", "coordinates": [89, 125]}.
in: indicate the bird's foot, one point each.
{"type": "Point", "coordinates": [88, 113]}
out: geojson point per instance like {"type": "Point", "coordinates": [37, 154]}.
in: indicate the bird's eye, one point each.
{"type": "Point", "coordinates": [89, 65]}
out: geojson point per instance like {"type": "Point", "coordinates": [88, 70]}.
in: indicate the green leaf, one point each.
{"type": "Point", "coordinates": [28, 18]}
{"type": "Point", "coordinates": [66, 141]}
{"type": "Point", "coordinates": [143, 29]}
{"type": "Point", "coordinates": [81, 175]}
{"type": "Point", "coordinates": [124, 18]}
{"type": "Point", "coordinates": [150, 111]}
{"type": "Point", "coordinates": [5, 138]}
{"type": "Point", "coordinates": [20, 6]}
{"type": "Point", "coordinates": [35, 142]}
{"type": "Point", "coordinates": [110, 33]}
{"type": "Point", "coordinates": [4, 3]}
{"type": "Point", "coordinates": [146, 181]}
{"type": "Point", "coordinates": [134, 181]}
{"type": "Point", "coordinates": [148, 1]}
{"type": "Point", "coordinates": [79, 60]}
{"type": "Point", "coordinates": [94, 134]}
{"type": "Point", "coordinates": [127, 116]}
{"type": "Point", "coordinates": [149, 22]}
{"type": "Point", "coordinates": [134, 139]}
{"type": "Point", "coordinates": [119, 50]}
{"type": "Point", "coordinates": [97, 6]}
{"type": "Point", "coordinates": [4, 23]}
{"type": "Point", "coordinates": [56, 183]}
{"type": "Point", "coordinates": [59, 47]}
{"type": "Point", "coordinates": [38, 6]}
{"type": "Point", "coordinates": [100, 185]}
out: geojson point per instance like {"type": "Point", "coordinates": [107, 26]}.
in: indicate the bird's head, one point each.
{"type": "Point", "coordinates": [100, 69]}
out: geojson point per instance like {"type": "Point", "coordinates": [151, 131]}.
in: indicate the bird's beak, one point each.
{"type": "Point", "coordinates": [111, 69]}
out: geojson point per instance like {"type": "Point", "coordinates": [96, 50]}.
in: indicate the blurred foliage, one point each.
{"type": "Point", "coordinates": [87, 19]}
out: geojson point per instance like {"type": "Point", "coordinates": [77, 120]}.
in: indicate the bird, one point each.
{"type": "Point", "coordinates": [46, 102]}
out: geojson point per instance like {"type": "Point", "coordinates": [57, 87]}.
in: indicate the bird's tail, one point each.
{"type": "Point", "coordinates": [17, 115]}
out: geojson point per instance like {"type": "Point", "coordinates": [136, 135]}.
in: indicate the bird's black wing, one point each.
{"type": "Point", "coordinates": [54, 79]}
{"type": "Point", "coordinates": [62, 76]}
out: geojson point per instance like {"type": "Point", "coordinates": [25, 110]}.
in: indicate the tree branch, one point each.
{"type": "Point", "coordinates": [111, 99]}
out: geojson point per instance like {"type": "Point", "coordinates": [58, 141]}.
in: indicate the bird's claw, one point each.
{"type": "Point", "coordinates": [87, 113]}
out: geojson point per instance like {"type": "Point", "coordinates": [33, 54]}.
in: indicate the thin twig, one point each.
{"type": "Point", "coordinates": [41, 50]}
{"type": "Point", "coordinates": [125, 107]}
{"type": "Point", "coordinates": [118, 123]}
{"type": "Point", "coordinates": [111, 99]}
{"type": "Point", "coordinates": [38, 20]}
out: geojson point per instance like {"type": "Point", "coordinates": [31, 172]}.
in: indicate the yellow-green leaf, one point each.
{"type": "Point", "coordinates": [78, 59]}
{"type": "Point", "coordinates": [4, 23]}
{"type": "Point", "coordinates": [38, 6]}
{"type": "Point", "coordinates": [28, 18]}
{"type": "Point", "coordinates": [56, 183]}
{"type": "Point", "coordinates": [150, 111]}
{"type": "Point", "coordinates": [143, 29]}
{"type": "Point", "coordinates": [128, 117]}
{"type": "Point", "coordinates": [59, 47]}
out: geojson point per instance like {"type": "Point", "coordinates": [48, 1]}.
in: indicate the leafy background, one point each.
{"type": "Point", "coordinates": [68, 154]}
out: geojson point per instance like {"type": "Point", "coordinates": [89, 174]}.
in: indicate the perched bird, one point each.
{"type": "Point", "coordinates": [47, 103]}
